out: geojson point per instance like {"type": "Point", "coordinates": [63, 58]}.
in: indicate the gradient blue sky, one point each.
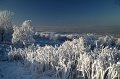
{"type": "Point", "coordinates": [80, 13]}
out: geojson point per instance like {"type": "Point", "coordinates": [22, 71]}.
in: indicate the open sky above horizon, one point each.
{"type": "Point", "coordinates": [66, 13]}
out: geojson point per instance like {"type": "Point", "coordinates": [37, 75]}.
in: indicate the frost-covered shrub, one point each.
{"type": "Point", "coordinates": [56, 36]}
{"type": "Point", "coordinates": [23, 34]}
{"type": "Point", "coordinates": [118, 40]}
{"type": "Point", "coordinates": [6, 25]}
{"type": "Point", "coordinates": [71, 60]}
{"type": "Point", "coordinates": [90, 41]}
{"type": "Point", "coordinates": [106, 41]}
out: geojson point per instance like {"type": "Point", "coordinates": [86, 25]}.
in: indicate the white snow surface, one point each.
{"type": "Point", "coordinates": [15, 70]}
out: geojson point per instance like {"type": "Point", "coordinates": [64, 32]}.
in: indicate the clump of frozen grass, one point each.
{"type": "Point", "coordinates": [72, 60]}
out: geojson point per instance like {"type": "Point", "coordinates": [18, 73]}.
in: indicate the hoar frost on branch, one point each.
{"type": "Point", "coordinates": [23, 34]}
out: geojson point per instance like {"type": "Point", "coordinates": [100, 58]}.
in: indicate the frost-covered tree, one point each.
{"type": "Point", "coordinates": [23, 34]}
{"type": "Point", "coordinates": [6, 25]}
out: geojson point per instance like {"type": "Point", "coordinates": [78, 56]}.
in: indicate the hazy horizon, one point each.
{"type": "Point", "coordinates": [90, 29]}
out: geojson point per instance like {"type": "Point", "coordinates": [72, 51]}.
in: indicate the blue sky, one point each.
{"type": "Point", "coordinates": [65, 13]}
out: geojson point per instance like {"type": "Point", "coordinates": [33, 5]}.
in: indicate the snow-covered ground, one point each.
{"type": "Point", "coordinates": [15, 70]}
{"type": "Point", "coordinates": [11, 70]}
